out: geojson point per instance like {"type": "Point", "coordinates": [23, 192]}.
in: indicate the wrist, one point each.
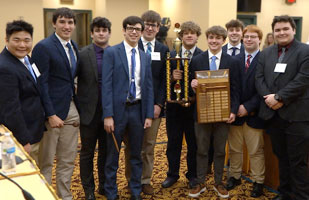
{"type": "Point", "coordinates": [277, 98]}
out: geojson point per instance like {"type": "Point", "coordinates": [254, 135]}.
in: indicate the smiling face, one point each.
{"type": "Point", "coordinates": [189, 39]}
{"type": "Point", "coordinates": [132, 33]}
{"type": "Point", "coordinates": [234, 34]}
{"type": "Point", "coordinates": [251, 41]}
{"type": "Point", "coordinates": [215, 43]}
{"type": "Point", "coordinates": [151, 30]}
{"type": "Point", "coordinates": [283, 33]}
{"type": "Point", "coordinates": [19, 44]}
{"type": "Point", "coordinates": [64, 27]}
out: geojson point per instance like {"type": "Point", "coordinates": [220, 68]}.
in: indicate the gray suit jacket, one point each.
{"type": "Point", "coordinates": [87, 84]}
{"type": "Point", "coordinates": [292, 86]}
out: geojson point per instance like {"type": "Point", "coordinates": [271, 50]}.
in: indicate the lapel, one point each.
{"type": "Point", "coordinates": [140, 45]}
{"type": "Point", "coordinates": [93, 60]}
{"type": "Point", "coordinates": [123, 57]}
{"type": "Point", "coordinates": [273, 59]}
{"type": "Point", "coordinates": [253, 64]}
{"type": "Point", "coordinates": [62, 52]}
{"type": "Point", "coordinates": [223, 61]}
{"type": "Point", "coordinates": [143, 66]}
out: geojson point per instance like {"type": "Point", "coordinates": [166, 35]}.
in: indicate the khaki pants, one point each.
{"type": "Point", "coordinates": [149, 142]}
{"type": "Point", "coordinates": [35, 152]}
{"type": "Point", "coordinates": [253, 138]}
{"type": "Point", "coordinates": [61, 142]}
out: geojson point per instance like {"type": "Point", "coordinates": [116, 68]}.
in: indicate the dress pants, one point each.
{"type": "Point", "coordinates": [253, 138]}
{"type": "Point", "coordinates": [149, 141]}
{"type": "Point", "coordinates": [61, 142]}
{"type": "Point", "coordinates": [203, 134]}
{"type": "Point", "coordinates": [35, 148]}
{"type": "Point", "coordinates": [90, 134]}
{"type": "Point", "coordinates": [131, 123]}
{"type": "Point", "coordinates": [291, 148]}
{"type": "Point", "coordinates": [180, 121]}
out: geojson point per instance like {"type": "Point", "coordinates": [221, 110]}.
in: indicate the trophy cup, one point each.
{"type": "Point", "coordinates": [177, 87]}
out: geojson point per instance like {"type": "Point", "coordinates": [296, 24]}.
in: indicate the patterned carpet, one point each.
{"type": "Point", "coordinates": [178, 191]}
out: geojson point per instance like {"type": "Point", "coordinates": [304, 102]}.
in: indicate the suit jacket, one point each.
{"type": "Point", "coordinates": [242, 49]}
{"type": "Point", "coordinates": [158, 69]}
{"type": "Point", "coordinates": [87, 84]}
{"type": "Point", "coordinates": [197, 51]}
{"type": "Point", "coordinates": [248, 94]}
{"type": "Point", "coordinates": [292, 86]}
{"type": "Point", "coordinates": [116, 81]}
{"type": "Point", "coordinates": [57, 82]}
{"type": "Point", "coordinates": [201, 62]}
{"type": "Point", "coordinates": [21, 109]}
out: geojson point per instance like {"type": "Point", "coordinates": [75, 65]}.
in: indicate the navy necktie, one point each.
{"type": "Point", "coordinates": [72, 58]}
{"type": "Point", "coordinates": [132, 91]}
{"type": "Point", "coordinates": [29, 67]}
{"type": "Point", "coordinates": [234, 51]}
{"type": "Point", "coordinates": [149, 50]}
{"type": "Point", "coordinates": [213, 65]}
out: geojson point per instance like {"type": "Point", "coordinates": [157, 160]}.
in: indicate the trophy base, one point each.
{"type": "Point", "coordinates": [183, 103]}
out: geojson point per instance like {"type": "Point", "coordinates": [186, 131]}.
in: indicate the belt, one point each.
{"type": "Point", "coordinates": [131, 103]}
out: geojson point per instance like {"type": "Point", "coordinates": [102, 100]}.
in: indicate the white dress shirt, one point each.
{"type": "Point", "coordinates": [230, 50]}
{"type": "Point", "coordinates": [218, 55]}
{"type": "Point", "coordinates": [66, 49]}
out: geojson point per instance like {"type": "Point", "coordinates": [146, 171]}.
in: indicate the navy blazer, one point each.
{"type": "Point", "coordinates": [57, 82]}
{"type": "Point", "coordinates": [201, 62]}
{"type": "Point", "coordinates": [292, 86]}
{"type": "Point", "coordinates": [248, 94]}
{"type": "Point", "coordinates": [21, 109]}
{"type": "Point", "coordinates": [242, 49]}
{"type": "Point", "coordinates": [158, 69]}
{"type": "Point", "coordinates": [116, 82]}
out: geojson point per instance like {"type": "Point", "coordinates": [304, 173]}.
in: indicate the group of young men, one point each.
{"type": "Point", "coordinates": [125, 85]}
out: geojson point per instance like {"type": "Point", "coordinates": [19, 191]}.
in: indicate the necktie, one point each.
{"type": "Point", "coordinates": [29, 67]}
{"type": "Point", "coordinates": [234, 51]}
{"type": "Point", "coordinates": [282, 55]}
{"type": "Point", "coordinates": [188, 54]}
{"type": "Point", "coordinates": [132, 91]}
{"type": "Point", "coordinates": [72, 58]}
{"type": "Point", "coordinates": [247, 62]}
{"type": "Point", "coordinates": [213, 65]}
{"type": "Point", "coordinates": [149, 50]}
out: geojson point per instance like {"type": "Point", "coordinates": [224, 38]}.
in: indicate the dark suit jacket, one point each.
{"type": "Point", "coordinates": [197, 51]}
{"type": "Point", "coordinates": [201, 62]}
{"type": "Point", "coordinates": [116, 81]}
{"type": "Point", "coordinates": [242, 49]}
{"type": "Point", "coordinates": [87, 84]}
{"type": "Point", "coordinates": [248, 94]}
{"type": "Point", "coordinates": [21, 108]}
{"type": "Point", "coordinates": [158, 69]}
{"type": "Point", "coordinates": [57, 83]}
{"type": "Point", "coordinates": [292, 86]}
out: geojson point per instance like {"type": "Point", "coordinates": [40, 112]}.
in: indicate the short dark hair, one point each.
{"type": "Point", "coordinates": [132, 20]}
{"type": "Point", "coordinates": [151, 16]}
{"type": "Point", "coordinates": [100, 22]}
{"type": "Point", "coordinates": [17, 26]}
{"type": "Point", "coordinates": [234, 23]}
{"type": "Point", "coordinates": [216, 30]}
{"type": "Point", "coordinates": [63, 12]}
{"type": "Point", "coordinates": [283, 18]}
{"type": "Point", "coordinates": [189, 26]}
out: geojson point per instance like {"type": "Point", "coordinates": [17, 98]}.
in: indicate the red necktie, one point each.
{"type": "Point", "coordinates": [247, 62]}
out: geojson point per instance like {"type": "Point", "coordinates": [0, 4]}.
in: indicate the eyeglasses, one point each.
{"type": "Point", "coordinates": [250, 36]}
{"type": "Point", "coordinates": [131, 29]}
{"type": "Point", "coordinates": [148, 25]}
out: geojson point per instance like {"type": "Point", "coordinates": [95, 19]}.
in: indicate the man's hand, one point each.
{"type": "Point", "coordinates": [231, 119]}
{"type": "Point", "coordinates": [109, 124]}
{"type": "Point", "coordinates": [27, 148]}
{"type": "Point", "coordinates": [55, 122]}
{"type": "Point", "coordinates": [157, 111]}
{"type": "Point", "coordinates": [242, 111]}
{"type": "Point", "coordinates": [148, 123]}
{"type": "Point", "coordinates": [277, 106]}
{"type": "Point", "coordinates": [194, 84]}
{"type": "Point", "coordinates": [177, 74]}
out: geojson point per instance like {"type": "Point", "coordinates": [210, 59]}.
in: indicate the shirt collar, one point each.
{"type": "Point", "coordinates": [62, 41]}
{"type": "Point", "coordinates": [229, 46]}
{"type": "Point", "coordinates": [286, 46]}
{"type": "Point", "coordinates": [252, 54]}
{"type": "Point", "coordinates": [97, 48]}
{"type": "Point", "coordinates": [145, 42]}
{"type": "Point", "coordinates": [129, 48]}
{"type": "Point", "coordinates": [183, 49]}
{"type": "Point", "coordinates": [218, 55]}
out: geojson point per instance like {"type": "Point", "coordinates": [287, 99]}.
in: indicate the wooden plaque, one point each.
{"type": "Point", "coordinates": [213, 96]}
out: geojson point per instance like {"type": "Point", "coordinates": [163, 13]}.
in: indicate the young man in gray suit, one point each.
{"type": "Point", "coordinates": [282, 78]}
{"type": "Point", "coordinates": [89, 73]}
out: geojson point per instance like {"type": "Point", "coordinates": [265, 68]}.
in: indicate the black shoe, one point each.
{"type": "Point", "coordinates": [89, 196]}
{"type": "Point", "coordinates": [135, 197]}
{"type": "Point", "coordinates": [232, 183]}
{"type": "Point", "coordinates": [168, 182]}
{"type": "Point", "coordinates": [192, 183]}
{"type": "Point", "coordinates": [257, 190]}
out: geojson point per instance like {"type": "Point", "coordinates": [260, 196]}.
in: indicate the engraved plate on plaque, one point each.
{"type": "Point", "coordinates": [213, 96]}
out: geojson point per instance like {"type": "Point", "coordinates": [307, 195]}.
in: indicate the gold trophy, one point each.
{"type": "Point", "coordinates": [177, 87]}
